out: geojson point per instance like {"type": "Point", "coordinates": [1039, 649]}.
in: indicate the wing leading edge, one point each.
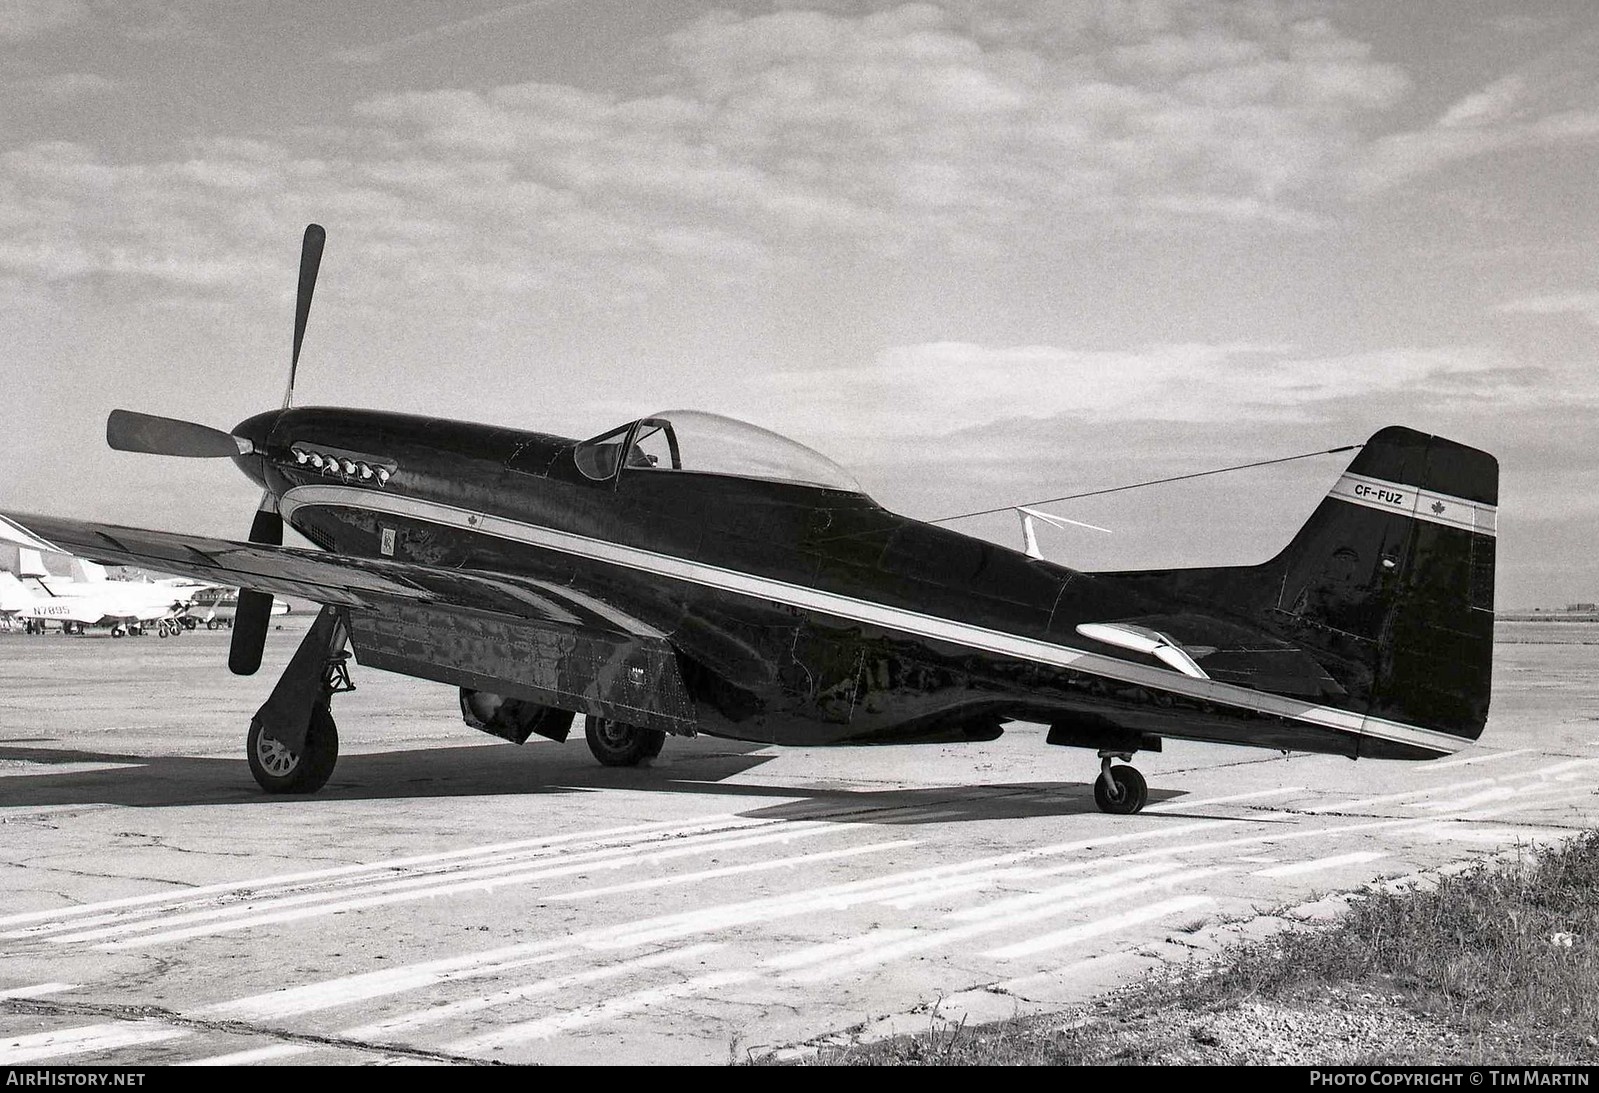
{"type": "Point", "coordinates": [516, 636]}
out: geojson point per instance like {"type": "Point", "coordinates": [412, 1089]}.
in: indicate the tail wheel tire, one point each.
{"type": "Point", "coordinates": [617, 745]}
{"type": "Point", "coordinates": [279, 770]}
{"type": "Point", "coordinates": [1128, 795]}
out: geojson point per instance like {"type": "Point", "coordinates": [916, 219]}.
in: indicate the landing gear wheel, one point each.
{"type": "Point", "coordinates": [279, 770]}
{"type": "Point", "coordinates": [1121, 791]}
{"type": "Point", "coordinates": [617, 745]}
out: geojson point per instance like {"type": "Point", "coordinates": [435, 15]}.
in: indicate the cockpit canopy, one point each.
{"type": "Point", "coordinates": [691, 440]}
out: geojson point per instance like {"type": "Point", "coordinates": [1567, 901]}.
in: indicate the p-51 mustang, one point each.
{"type": "Point", "coordinates": [687, 573]}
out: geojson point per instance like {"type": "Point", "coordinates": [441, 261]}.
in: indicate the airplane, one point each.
{"type": "Point", "coordinates": [214, 606]}
{"type": "Point", "coordinates": [88, 598]}
{"type": "Point", "coordinates": [687, 573]}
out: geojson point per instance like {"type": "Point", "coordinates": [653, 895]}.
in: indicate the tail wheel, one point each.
{"type": "Point", "coordinates": [617, 745]}
{"type": "Point", "coordinates": [1121, 791]}
{"type": "Point", "coordinates": [279, 770]}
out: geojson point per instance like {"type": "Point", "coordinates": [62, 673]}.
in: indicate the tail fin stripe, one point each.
{"type": "Point", "coordinates": [1416, 503]}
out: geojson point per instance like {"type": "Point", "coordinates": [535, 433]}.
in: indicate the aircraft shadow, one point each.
{"type": "Point", "coordinates": [702, 766]}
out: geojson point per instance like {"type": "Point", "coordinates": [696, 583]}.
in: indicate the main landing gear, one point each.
{"type": "Point", "coordinates": [1121, 790]}
{"type": "Point", "coordinates": [293, 743]}
{"type": "Point", "coordinates": [617, 745]}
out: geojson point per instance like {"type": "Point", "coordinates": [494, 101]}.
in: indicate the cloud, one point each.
{"type": "Point", "coordinates": [380, 51]}
{"type": "Point", "coordinates": [750, 141]}
{"type": "Point", "coordinates": [1584, 305]}
{"type": "Point", "coordinates": [61, 86]}
{"type": "Point", "coordinates": [934, 389]}
{"type": "Point", "coordinates": [1548, 102]}
{"type": "Point", "coordinates": [22, 19]}
{"type": "Point", "coordinates": [750, 136]}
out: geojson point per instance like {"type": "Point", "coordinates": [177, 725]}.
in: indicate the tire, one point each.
{"type": "Point", "coordinates": [617, 745]}
{"type": "Point", "coordinates": [1134, 792]}
{"type": "Point", "coordinates": [211, 624]}
{"type": "Point", "coordinates": [278, 770]}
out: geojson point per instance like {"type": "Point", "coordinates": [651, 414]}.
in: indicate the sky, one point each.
{"type": "Point", "coordinates": [979, 253]}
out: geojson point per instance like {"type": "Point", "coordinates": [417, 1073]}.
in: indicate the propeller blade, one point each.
{"type": "Point", "coordinates": [310, 262]}
{"type": "Point", "coordinates": [254, 613]}
{"type": "Point", "coordinates": [127, 431]}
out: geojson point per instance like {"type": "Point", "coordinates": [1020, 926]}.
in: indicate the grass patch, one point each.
{"type": "Point", "coordinates": [1497, 964]}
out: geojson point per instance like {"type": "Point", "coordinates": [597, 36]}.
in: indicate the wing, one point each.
{"type": "Point", "coordinates": [515, 635]}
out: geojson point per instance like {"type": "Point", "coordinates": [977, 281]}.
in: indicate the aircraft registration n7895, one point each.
{"type": "Point", "coordinates": [687, 573]}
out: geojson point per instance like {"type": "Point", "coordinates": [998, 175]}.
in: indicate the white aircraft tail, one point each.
{"type": "Point", "coordinates": [88, 572]}
{"type": "Point", "coordinates": [31, 563]}
{"type": "Point", "coordinates": [14, 595]}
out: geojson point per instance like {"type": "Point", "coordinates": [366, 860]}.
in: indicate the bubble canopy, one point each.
{"type": "Point", "coordinates": [702, 443]}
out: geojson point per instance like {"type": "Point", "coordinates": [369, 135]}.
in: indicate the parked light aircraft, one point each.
{"type": "Point", "coordinates": [686, 573]}
{"type": "Point", "coordinates": [214, 608]}
{"type": "Point", "coordinates": [88, 598]}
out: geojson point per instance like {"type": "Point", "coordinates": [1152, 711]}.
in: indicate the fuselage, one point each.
{"type": "Point", "coordinates": [805, 614]}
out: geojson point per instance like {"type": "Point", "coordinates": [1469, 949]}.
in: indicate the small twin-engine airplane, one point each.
{"type": "Point", "coordinates": [88, 598]}
{"type": "Point", "coordinates": [687, 573]}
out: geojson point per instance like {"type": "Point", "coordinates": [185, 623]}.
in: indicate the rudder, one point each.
{"type": "Point", "coordinates": [1395, 569]}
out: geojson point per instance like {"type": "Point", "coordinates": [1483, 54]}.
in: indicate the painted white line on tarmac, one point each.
{"type": "Point", "coordinates": [253, 1056]}
{"type": "Point", "coordinates": [620, 1006]}
{"type": "Point", "coordinates": [838, 897]}
{"type": "Point", "coordinates": [420, 888]}
{"type": "Point", "coordinates": [1393, 798]}
{"type": "Point", "coordinates": [735, 870]}
{"type": "Point", "coordinates": [1168, 806]}
{"type": "Point", "coordinates": [1087, 930]}
{"type": "Point", "coordinates": [836, 950]}
{"type": "Point", "coordinates": [38, 990]}
{"type": "Point", "coordinates": [349, 989]}
{"type": "Point", "coordinates": [665, 928]}
{"type": "Point", "coordinates": [1450, 764]}
{"type": "Point", "coordinates": [434, 1014]}
{"type": "Point", "coordinates": [85, 1040]}
{"type": "Point", "coordinates": [1526, 802]}
{"type": "Point", "coordinates": [255, 884]}
{"type": "Point", "coordinates": [1269, 838]}
{"type": "Point", "coordinates": [559, 859]}
{"type": "Point", "coordinates": [1316, 865]}
{"type": "Point", "coordinates": [915, 895]}
{"type": "Point", "coordinates": [1100, 890]}
{"type": "Point", "coordinates": [1545, 773]}
{"type": "Point", "coordinates": [1501, 834]}
{"type": "Point", "coordinates": [1459, 804]}
{"type": "Point", "coordinates": [1004, 908]}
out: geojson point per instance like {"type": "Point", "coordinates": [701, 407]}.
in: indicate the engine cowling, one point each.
{"type": "Point", "coordinates": [513, 719]}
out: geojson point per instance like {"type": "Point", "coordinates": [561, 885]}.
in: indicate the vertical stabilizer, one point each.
{"type": "Point", "coordinates": [1399, 558]}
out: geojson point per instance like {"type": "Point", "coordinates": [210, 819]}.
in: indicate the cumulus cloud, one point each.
{"type": "Point", "coordinates": [749, 140]}
{"type": "Point", "coordinates": [747, 137]}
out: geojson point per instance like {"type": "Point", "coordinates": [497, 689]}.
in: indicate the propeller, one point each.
{"type": "Point", "coordinates": [127, 431]}
{"type": "Point", "coordinates": [253, 615]}
{"type": "Point", "coordinates": [310, 261]}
